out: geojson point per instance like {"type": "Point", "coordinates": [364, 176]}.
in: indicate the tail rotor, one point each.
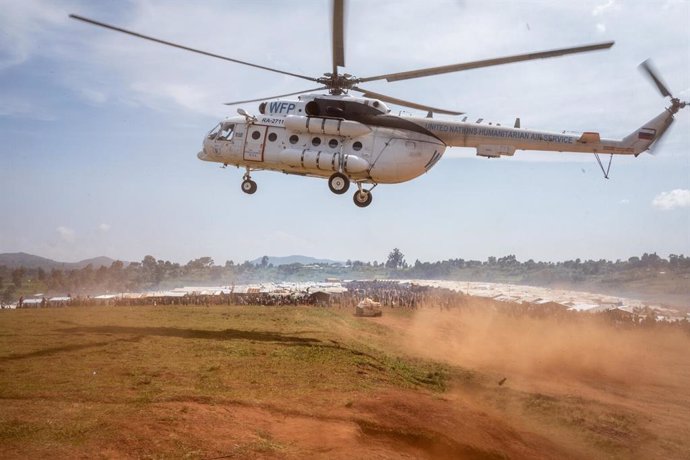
{"type": "Point", "coordinates": [652, 74]}
{"type": "Point", "coordinates": [676, 104]}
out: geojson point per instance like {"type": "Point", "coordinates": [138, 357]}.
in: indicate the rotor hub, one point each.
{"type": "Point", "coordinates": [338, 83]}
{"type": "Point", "coordinates": [677, 104]}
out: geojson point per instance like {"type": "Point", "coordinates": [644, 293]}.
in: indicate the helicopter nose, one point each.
{"type": "Point", "coordinates": [203, 154]}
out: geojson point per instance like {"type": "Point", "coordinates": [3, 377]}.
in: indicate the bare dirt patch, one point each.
{"type": "Point", "coordinates": [584, 383]}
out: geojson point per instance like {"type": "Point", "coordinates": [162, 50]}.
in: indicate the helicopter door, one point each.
{"type": "Point", "coordinates": [255, 142]}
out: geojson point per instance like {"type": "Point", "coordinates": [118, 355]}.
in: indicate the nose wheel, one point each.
{"type": "Point", "coordinates": [362, 198]}
{"type": "Point", "coordinates": [338, 183]}
{"type": "Point", "coordinates": [248, 185]}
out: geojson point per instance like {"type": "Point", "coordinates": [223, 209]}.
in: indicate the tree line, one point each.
{"type": "Point", "coordinates": [152, 273]}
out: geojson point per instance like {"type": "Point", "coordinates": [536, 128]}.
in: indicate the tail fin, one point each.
{"type": "Point", "coordinates": [642, 138]}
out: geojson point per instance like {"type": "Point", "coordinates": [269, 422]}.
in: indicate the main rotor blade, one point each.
{"type": "Point", "coordinates": [338, 36]}
{"type": "Point", "coordinates": [486, 63]}
{"type": "Point", "coordinates": [404, 103]}
{"type": "Point", "coordinates": [654, 76]}
{"type": "Point", "coordinates": [193, 50]}
{"type": "Point", "coordinates": [275, 97]}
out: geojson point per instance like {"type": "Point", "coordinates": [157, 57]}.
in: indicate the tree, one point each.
{"type": "Point", "coordinates": [8, 294]}
{"type": "Point", "coordinates": [396, 259]}
{"type": "Point", "coordinates": [149, 263]}
{"type": "Point", "coordinates": [56, 279]}
{"type": "Point", "coordinates": [264, 262]}
{"type": "Point", "coordinates": [18, 276]}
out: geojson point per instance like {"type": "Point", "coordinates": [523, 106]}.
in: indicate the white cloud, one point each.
{"type": "Point", "coordinates": [191, 97]}
{"type": "Point", "coordinates": [93, 96]}
{"type": "Point", "coordinates": [67, 234]}
{"type": "Point", "coordinates": [678, 198]}
{"type": "Point", "coordinates": [601, 27]}
{"type": "Point", "coordinates": [601, 9]}
{"type": "Point", "coordinates": [104, 228]}
{"type": "Point", "coordinates": [624, 201]}
{"type": "Point", "coordinates": [23, 27]}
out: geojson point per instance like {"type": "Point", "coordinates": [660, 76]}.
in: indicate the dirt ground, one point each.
{"type": "Point", "coordinates": [516, 387]}
{"type": "Point", "coordinates": [393, 424]}
{"type": "Point", "coordinates": [587, 386]}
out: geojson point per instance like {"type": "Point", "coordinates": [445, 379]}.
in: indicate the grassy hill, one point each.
{"type": "Point", "coordinates": [22, 259]}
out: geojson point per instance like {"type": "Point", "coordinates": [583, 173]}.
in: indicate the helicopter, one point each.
{"type": "Point", "coordinates": [348, 139]}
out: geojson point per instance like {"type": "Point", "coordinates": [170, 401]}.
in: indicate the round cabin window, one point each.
{"type": "Point", "coordinates": [357, 146]}
{"type": "Point", "coordinates": [256, 135]}
{"type": "Point", "coordinates": [316, 141]}
{"type": "Point", "coordinates": [294, 139]}
{"type": "Point", "coordinates": [272, 137]}
{"type": "Point", "coordinates": [333, 143]}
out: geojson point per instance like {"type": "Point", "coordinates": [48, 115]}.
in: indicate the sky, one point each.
{"type": "Point", "coordinates": [100, 130]}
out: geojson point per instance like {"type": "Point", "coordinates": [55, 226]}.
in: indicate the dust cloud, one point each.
{"type": "Point", "coordinates": [584, 349]}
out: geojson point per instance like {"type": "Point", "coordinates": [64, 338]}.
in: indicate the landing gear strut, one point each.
{"type": "Point", "coordinates": [338, 183]}
{"type": "Point", "coordinates": [248, 185]}
{"type": "Point", "coordinates": [362, 198]}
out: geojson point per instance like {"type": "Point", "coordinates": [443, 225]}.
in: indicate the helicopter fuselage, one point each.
{"type": "Point", "coordinates": [293, 137]}
{"type": "Point", "coordinates": [349, 139]}
{"type": "Point", "coordinates": [365, 154]}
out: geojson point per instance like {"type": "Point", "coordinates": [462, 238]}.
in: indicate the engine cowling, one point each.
{"type": "Point", "coordinates": [329, 126]}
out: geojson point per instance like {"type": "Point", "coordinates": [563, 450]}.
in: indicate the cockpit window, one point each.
{"type": "Point", "coordinates": [226, 132]}
{"type": "Point", "coordinates": [214, 132]}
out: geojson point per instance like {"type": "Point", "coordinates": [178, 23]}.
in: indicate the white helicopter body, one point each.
{"type": "Point", "coordinates": [365, 144]}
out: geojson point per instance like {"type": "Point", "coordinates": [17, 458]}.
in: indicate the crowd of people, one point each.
{"type": "Point", "coordinates": [391, 294]}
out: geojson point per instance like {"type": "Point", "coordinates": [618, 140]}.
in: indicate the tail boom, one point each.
{"type": "Point", "coordinates": [495, 141]}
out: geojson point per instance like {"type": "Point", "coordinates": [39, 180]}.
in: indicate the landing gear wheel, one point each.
{"type": "Point", "coordinates": [338, 183]}
{"type": "Point", "coordinates": [362, 198]}
{"type": "Point", "coordinates": [248, 186]}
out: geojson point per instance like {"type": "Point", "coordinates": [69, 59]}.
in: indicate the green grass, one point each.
{"type": "Point", "coordinates": [92, 365]}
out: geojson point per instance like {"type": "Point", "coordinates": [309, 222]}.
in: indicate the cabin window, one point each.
{"type": "Point", "coordinates": [256, 135]}
{"type": "Point", "coordinates": [294, 139]}
{"type": "Point", "coordinates": [357, 146]}
{"type": "Point", "coordinates": [272, 137]}
{"type": "Point", "coordinates": [316, 141]}
{"type": "Point", "coordinates": [228, 129]}
{"type": "Point", "coordinates": [333, 143]}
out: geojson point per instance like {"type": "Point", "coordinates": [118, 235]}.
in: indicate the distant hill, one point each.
{"type": "Point", "coordinates": [22, 259]}
{"type": "Point", "coordinates": [287, 260]}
